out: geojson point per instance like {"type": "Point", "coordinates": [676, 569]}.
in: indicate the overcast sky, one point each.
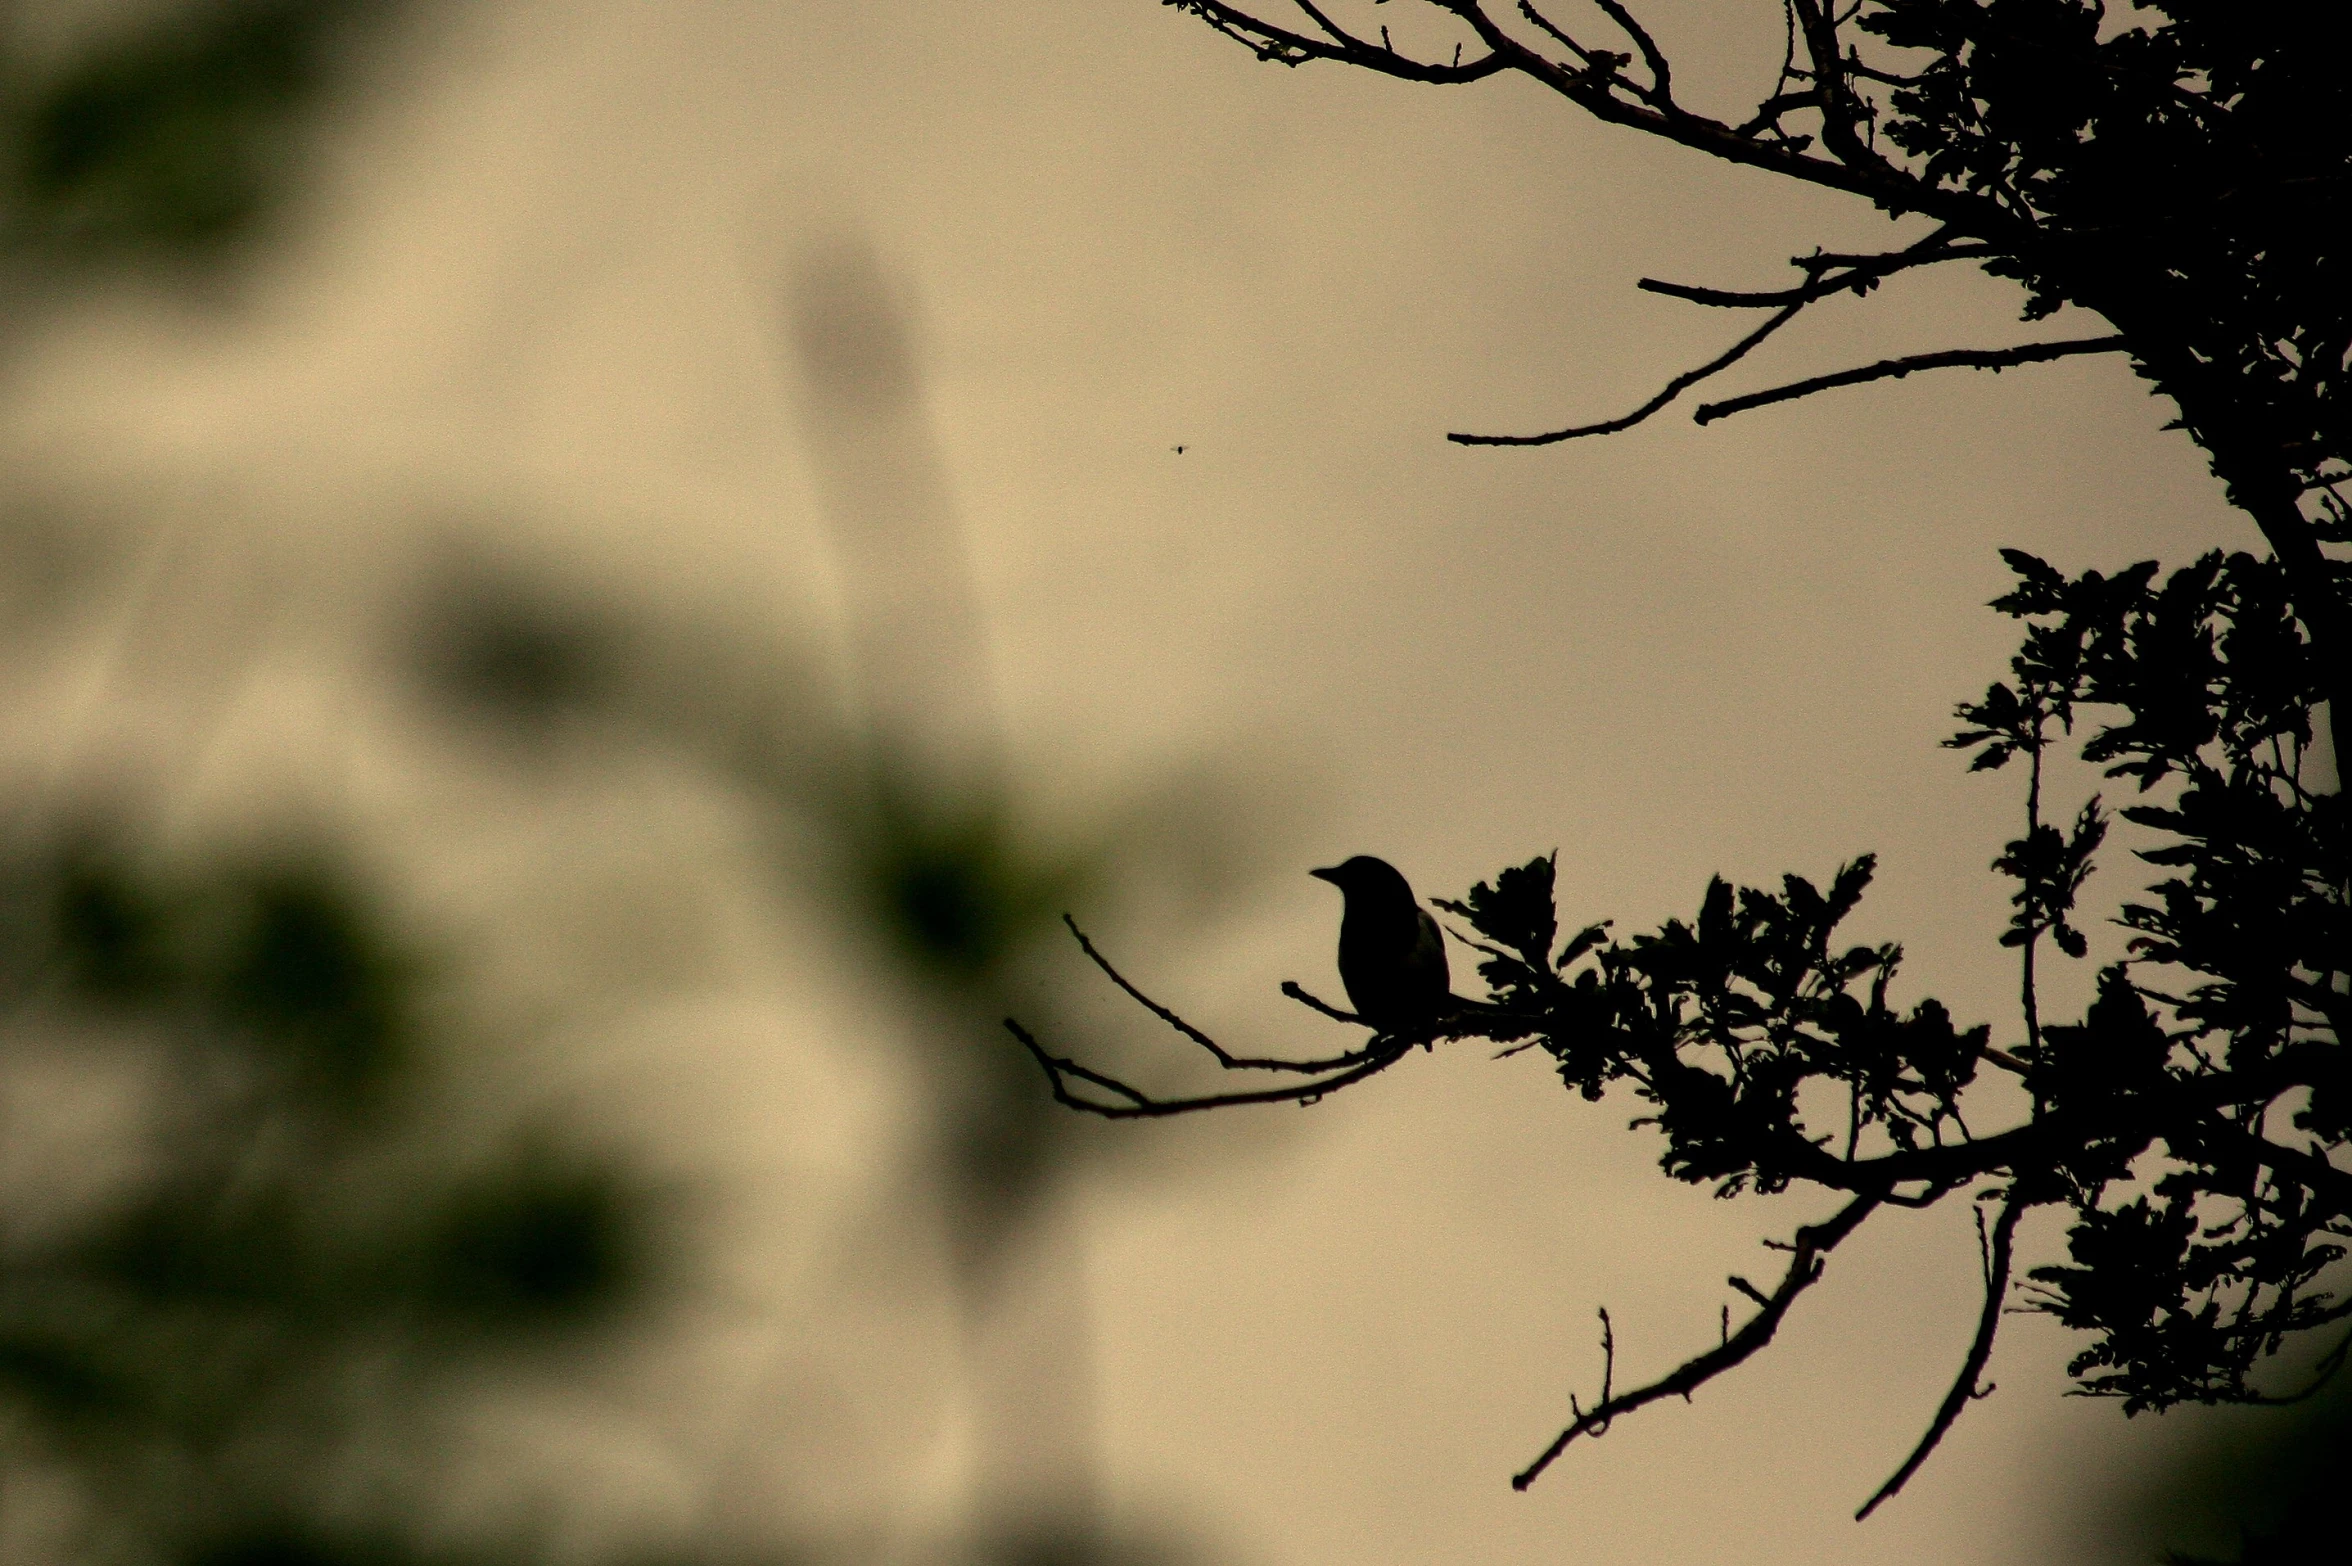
{"type": "Point", "coordinates": [540, 288]}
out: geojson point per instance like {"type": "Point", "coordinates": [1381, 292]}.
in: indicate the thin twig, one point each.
{"type": "Point", "coordinates": [1865, 270]}
{"type": "Point", "coordinates": [1673, 389]}
{"type": "Point", "coordinates": [1661, 74]}
{"type": "Point", "coordinates": [1768, 113]}
{"type": "Point", "coordinates": [1225, 1057]}
{"type": "Point", "coordinates": [1805, 1266]}
{"type": "Point", "coordinates": [1284, 46]}
{"type": "Point", "coordinates": [1139, 1105]}
{"type": "Point", "coordinates": [1980, 1349]}
{"type": "Point", "coordinates": [1868, 268]}
{"type": "Point", "coordinates": [1296, 992]}
{"type": "Point", "coordinates": [1552, 30]}
{"type": "Point", "coordinates": [1896, 369]}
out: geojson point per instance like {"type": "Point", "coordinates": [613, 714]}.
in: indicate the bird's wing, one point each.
{"type": "Point", "coordinates": [1429, 953]}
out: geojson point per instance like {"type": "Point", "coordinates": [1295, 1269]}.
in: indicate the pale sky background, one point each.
{"type": "Point", "coordinates": [534, 307]}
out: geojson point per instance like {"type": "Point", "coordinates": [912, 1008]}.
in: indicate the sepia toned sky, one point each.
{"type": "Point", "coordinates": [538, 292]}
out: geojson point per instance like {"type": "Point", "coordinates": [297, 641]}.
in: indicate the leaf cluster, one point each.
{"type": "Point", "coordinates": [1723, 1022]}
{"type": "Point", "coordinates": [2192, 1120]}
{"type": "Point", "coordinates": [2176, 173]}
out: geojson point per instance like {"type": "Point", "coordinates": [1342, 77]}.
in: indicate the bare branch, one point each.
{"type": "Point", "coordinates": [1811, 1244]}
{"type": "Point", "coordinates": [1842, 112]}
{"type": "Point", "coordinates": [1673, 389]}
{"type": "Point", "coordinates": [2314, 1173]}
{"type": "Point", "coordinates": [1661, 74]}
{"type": "Point", "coordinates": [1331, 29]}
{"type": "Point", "coordinates": [1612, 97]}
{"type": "Point", "coordinates": [1600, 65]}
{"type": "Point", "coordinates": [1980, 1349]}
{"type": "Point", "coordinates": [2006, 1061]}
{"type": "Point", "coordinates": [1225, 1058]}
{"type": "Point", "coordinates": [1768, 113]}
{"type": "Point", "coordinates": [1284, 46]}
{"type": "Point", "coordinates": [1896, 369]}
{"type": "Point", "coordinates": [1296, 992]}
{"type": "Point", "coordinates": [1859, 272]}
{"type": "Point", "coordinates": [1135, 1104]}
{"type": "Point", "coordinates": [1866, 270]}
{"type": "Point", "coordinates": [1551, 30]}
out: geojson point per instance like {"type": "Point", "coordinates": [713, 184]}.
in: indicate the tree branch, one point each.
{"type": "Point", "coordinates": [1139, 1105]}
{"type": "Point", "coordinates": [1980, 1349]}
{"type": "Point", "coordinates": [1661, 74]}
{"type": "Point", "coordinates": [1225, 1058]}
{"type": "Point", "coordinates": [1842, 112]}
{"type": "Point", "coordinates": [1896, 369]}
{"type": "Point", "coordinates": [1866, 175]}
{"type": "Point", "coordinates": [1286, 47]}
{"type": "Point", "coordinates": [1856, 274]}
{"type": "Point", "coordinates": [1868, 270]}
{"type": "Point", "coordinates": [1673, 389]}
{"type": "Point", "coordinates": [1811, 1244]}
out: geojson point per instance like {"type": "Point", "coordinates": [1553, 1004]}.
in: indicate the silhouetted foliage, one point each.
{"type": "Point", "coordinates": [2172, 174]}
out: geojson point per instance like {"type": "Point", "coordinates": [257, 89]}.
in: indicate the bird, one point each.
{"type": "Point", "coordinates": [1391, 957]}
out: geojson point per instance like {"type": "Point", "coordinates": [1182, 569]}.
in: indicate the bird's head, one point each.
{"type": "Point", "coordinates": [1366, 876]}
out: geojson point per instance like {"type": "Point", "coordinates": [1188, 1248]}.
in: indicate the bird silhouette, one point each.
{"type": "Point", "coordinates": [1391, 957]}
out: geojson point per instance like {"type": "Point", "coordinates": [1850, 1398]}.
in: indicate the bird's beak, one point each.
{"type": "Point", "coordinates": [1327, 873]}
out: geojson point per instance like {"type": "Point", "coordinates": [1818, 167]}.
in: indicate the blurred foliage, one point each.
{"type": "Point", "coordinates": [218, 1311]}
{"type": "Point", "coordinates": [282, 1260]}
{"type": "Point", "coordinates": [167, 142]}
{"type": "Point", "coordinates": [212, 1340]}
{"type": "Point", "coordinates": [962, 898]}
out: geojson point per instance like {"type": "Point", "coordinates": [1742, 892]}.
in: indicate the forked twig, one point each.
{"type": "Point", "coordinates": [1980, 1349]}
{"type": "Point", "coordinates": [1852, 274]}
{"type": "Point", "coordinates": [1672, 389]}
{"type": "Point", "coordinates": [1135, 1104]}
{"type": "Point", "coordinates": [1128, 1102]}
{"type": "Point", "coordinates": [1225, 1058]}
{"type": "Point", "coordinates": [1811, 1244]}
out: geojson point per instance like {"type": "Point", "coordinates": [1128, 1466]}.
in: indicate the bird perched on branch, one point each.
{"type": "Point", "coordinates": [1391, 957]}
